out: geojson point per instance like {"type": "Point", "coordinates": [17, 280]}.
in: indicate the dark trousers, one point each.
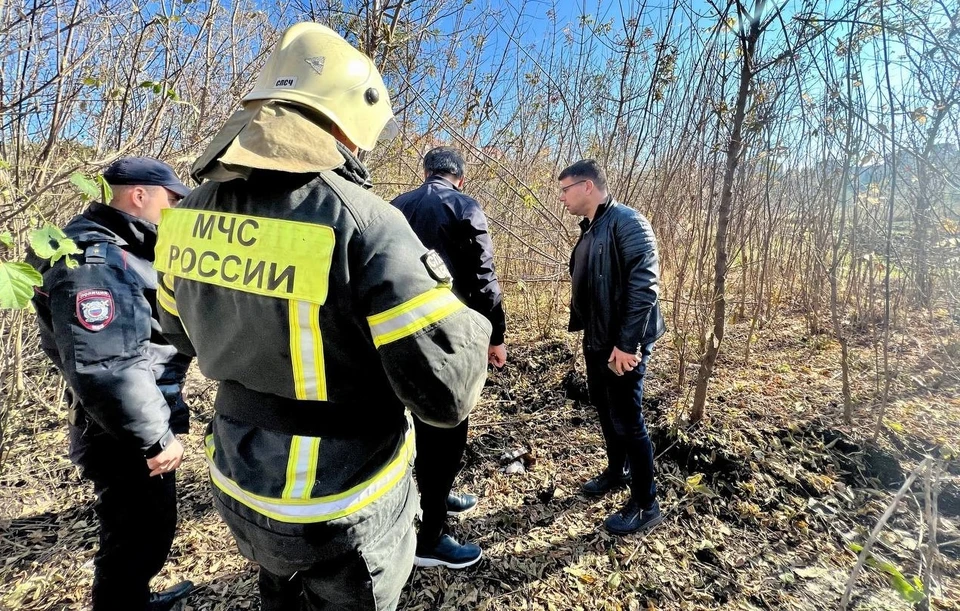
{"type": "Point", "coordinates": [618, 401]}
{"type": "Point", "coordinates": [137, 515]}
{"type": "Point", "coordinates": [359, 562]}
{"type": "Point", "coordinates": [438, 461]}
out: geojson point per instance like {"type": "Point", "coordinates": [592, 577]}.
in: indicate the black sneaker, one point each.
{"type": "Point", "coordinates": [449, 553]}
{"type": "Point", "coordinates": [604, 483]}
{"type": "Point", "coordinates": [168, 599]}
{"type": "Point", "coordinates": [633, 519]}
{"type": "Point", "coordinates": [459, 503]}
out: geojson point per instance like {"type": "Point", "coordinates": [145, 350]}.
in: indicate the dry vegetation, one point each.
{"type": "Point", "coordinates": [784, 490]}
{"type": "Point", "coordinates": [801, 166]}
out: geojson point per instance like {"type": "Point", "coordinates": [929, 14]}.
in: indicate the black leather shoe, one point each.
{"type": "Point", "coordinates": [165, 601]}
{"type": "Point", "coordinates": [633, 519]}
{"type": "Point", "coordinates": [449, 553]}
{"type": "Point", "coordinates": [460, 503]}
{"type": "Point", "coordinates": [604, 483]}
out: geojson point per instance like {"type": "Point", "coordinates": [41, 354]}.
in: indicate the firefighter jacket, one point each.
{"type": "Point", "coordinates": [453, 224]}
{"type": "Point", "coordinates": [99, 325]}
{"type": "Point", "coordinates": [321, 314]}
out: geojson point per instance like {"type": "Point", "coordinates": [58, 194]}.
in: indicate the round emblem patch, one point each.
{"type": "Point", "coordinates": [95, 308]}
{"type": "Point", "coordinates": [436, 267]}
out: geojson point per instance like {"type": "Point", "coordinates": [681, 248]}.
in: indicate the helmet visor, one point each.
{"type": "Point", "coordinates": [390, 131]}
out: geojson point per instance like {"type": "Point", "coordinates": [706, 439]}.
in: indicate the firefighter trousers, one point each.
{"type": "Point", "coordinates": [359, 562]}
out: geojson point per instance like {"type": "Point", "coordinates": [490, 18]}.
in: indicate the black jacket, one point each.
{"type": "Point", "coordinates": [99, 326]}
{"type": "Point", "coordinates": [453, 224]}
{"type": "Point", "coordinates": [616, 281]}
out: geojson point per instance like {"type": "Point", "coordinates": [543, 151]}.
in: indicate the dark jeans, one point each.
{"type": "Point", "coordinates": [618, 401]}
{"type": "Point", "coordinates": [137, 515]}
{"type": "Point", "coordinates": [438, 461]}
{"type": "Point", "coordinates": [358, 563]}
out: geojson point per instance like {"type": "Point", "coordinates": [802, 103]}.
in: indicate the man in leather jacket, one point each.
{"type": "Point", "coordinates": [615, 302]}
{"type": "Point", "coordinates": [99, 325]}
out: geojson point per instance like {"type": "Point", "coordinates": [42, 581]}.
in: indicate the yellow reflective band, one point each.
{"type": "Point", "coordinates": [319, 509]}
{"type": "Point", "coordinates": [412, 316]}
{"type": "Point", "coordinates": [306, 351]}
{"type": "Point", "coordinates": [167, 281]}
{"type": "Point", "coordinates": [264, 256]}
{"type": "Point", "coordinates": [301, 467]}
{"type": "Point", "coordinates": [310, 477]}
{"type": "Point", "coordinates": [167, 301]}
{"type": "Point", "coordinates": [292, 458]}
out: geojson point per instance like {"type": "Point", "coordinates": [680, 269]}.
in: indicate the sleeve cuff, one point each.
{"type": "Point", "coordinates": [161, 445]}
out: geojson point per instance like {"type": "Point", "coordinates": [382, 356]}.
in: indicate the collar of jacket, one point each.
{"type": "Point", "coordinates": [440, 181]}
{"type": "Point", "coordinates": [272, 135]}
{"type": "Point", "coordinates": [605, 205]}
{"type": "Point", "coordinates": [352, 168]}
{"type": "Point", "coordinates": [139, 236]}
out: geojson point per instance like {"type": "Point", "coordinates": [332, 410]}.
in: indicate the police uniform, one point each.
{"type": "Point", "coordinates": [322, 316]}
{"type": "Point", "coordinates": [98, 324]}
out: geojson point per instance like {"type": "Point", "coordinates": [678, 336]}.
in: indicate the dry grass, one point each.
{"type": "Point", "coordinates": [784, 487]}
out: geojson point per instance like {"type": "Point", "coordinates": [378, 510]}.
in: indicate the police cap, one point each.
{"type": "Point", "coordinates": [144, 171]}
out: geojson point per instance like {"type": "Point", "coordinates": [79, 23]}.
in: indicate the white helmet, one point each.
{"type": "Point", "coordinates": [315, 67]}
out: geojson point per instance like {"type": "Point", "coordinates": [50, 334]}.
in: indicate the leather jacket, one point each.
{"type": "Point", "coordinates": [616, 281]}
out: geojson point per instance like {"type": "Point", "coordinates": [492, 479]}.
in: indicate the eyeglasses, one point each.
{"type": "Point", "coordinates": [572, 185]}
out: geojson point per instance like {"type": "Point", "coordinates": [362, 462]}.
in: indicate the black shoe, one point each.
{"type": "Point", "coordinates": [632, 519]}
{"type": "Point", "coordinates": [604, 483]}
{"type": "Point", "coordinates": [164, 601]}
{"type": "Point", "coordinates": [449, 553]}
{"type": "Point", "coordinates": [459, 503]}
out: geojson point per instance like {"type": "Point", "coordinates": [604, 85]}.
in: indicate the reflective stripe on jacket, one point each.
{"type": "Point", "coordinates": [308, 295]}
{"type": "Point", "coordinates": [453, 224]}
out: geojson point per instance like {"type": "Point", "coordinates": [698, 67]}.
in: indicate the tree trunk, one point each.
{"type": "Point", "coordinates": [735, 145]}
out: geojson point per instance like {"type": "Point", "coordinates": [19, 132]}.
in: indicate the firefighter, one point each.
{"type": "Point", "coordinates": [322, 316]}
{"type": "Point", "coordinates": [98, 324]}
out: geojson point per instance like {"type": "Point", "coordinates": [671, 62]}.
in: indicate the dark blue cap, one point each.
{"type": "Point", "coordinates": [144, 171]}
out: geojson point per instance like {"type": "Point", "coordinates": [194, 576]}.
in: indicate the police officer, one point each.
{"type": "Point", "coordinates": [322, 316]}
{"type": "Point", "coordinates": [98, 324]}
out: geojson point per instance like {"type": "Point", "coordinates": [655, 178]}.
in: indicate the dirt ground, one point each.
{"type": "Point", "coordinates": [763, 500]}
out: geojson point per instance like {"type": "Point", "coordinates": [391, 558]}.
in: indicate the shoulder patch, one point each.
{"type": "Point", "coordinates": [436, 267]}
{"type": "Point", "coordinates": [95, 254]}
{"type": "Point", "coordinates": [95, 308]}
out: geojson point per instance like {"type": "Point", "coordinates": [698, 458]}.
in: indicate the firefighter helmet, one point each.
{"type": "Point", "coordinates": [313, 66]}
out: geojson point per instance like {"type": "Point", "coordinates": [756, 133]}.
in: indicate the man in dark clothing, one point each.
{"type": "Point", "coordinates": [453, 225]}
{"type": "Point", "coordinates": [616, 275]}
{"type": "Point", "coordinates": [98, 324]}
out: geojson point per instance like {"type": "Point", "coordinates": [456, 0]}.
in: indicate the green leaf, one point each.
{"type": "Point", "coordinates": [105, 191]}
{"type": "Point", "coordinates": [614, 580]}
{"type": "Point", "coordinates": [899, 583]}
{"type": "Point", "coordinates": [90, 81]}
{"type": "Point", "coordinates": [49, 242]}
{"type": "Point", "coordinates": [88, 188]}
{"type": "Point", "coordinates": [907, 592]}
{"type": "Point", "coordinates": [16, 285]}
{"type": "Point", "coordinates": [6, 239]}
